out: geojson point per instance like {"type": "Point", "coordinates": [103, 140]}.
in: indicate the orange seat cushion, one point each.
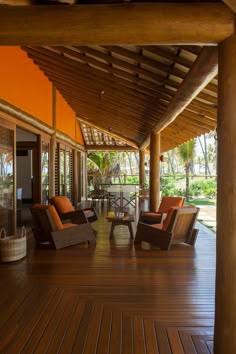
{"type": "Point", "coordinates": [63, 204]}
{"type": "Point", "coordinates": [169, 202]}
{"type": "Point", "coordinates": [55, 217]}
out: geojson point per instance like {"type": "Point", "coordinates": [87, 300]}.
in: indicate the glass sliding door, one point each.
{"type": "Point", "coordinates": [7, 180]}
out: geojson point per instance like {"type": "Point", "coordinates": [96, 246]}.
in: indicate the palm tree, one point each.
{"type": "Point", "coordinates": [100, 165]}
{"type": "Point", "coordinates": [186, 153]}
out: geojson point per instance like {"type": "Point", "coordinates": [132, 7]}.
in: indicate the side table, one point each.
{"type": "Point", "coordinates": [120, 220]}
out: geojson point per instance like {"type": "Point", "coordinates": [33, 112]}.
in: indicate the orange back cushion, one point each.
{"type": "Point", "coordinates": [55, 217]}
{"type": "Point", "coordinates": [63, 204]}
{"type": "Point", "coordinates": [169, 202]}
{"type": "Point", "coordinates": [168, 218]}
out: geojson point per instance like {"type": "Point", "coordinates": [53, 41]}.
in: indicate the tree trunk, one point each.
{"type": "Point", "coordinates": [187, 168]}
{"type": "Point", "coordinates": [170, 163]}
{"type": "Point", "coordinates": [204, 151]}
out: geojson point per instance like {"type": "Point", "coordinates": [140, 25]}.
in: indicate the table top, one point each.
{"type": "Point", "coordinates": [119, 217]}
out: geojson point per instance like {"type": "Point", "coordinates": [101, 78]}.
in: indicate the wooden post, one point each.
{"type": "Point", "coordinates": [52, 166]}
{"type": "Point", "coordinates": [154, 198]}
{"type": "Point", "coordinates": [141, 168]}
{"type": "Point", "coordinates": [75, 177]}
{"type": "Point", "coordinates": [79, 181]}
{"type": "Point", "coordinates": [225, 308]}
{"type": "Point", "coordinates": [52, 147]}
{"type": "Point", "coordinates": [85, 172]}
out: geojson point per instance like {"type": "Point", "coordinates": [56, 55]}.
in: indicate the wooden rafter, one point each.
{"type": "Point", "coordinates": [202, 72]}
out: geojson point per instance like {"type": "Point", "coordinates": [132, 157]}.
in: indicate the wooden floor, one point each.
{"type": "Point", "coordinates": [114, 298]}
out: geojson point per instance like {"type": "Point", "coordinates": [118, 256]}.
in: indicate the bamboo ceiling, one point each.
{"type": "Point", "coordinates": [128, 91]}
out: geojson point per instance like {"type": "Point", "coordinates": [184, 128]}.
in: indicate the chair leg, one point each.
{"type": "Point", "coordinates": [193, 237]}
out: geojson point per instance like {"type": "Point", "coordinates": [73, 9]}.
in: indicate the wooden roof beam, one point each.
{"type": "Point", "coordinates": [141, 23]}
{"type": "Point", "coordinates": [16, 2]}
{"type": "Point", "coordinates": [202, 72]}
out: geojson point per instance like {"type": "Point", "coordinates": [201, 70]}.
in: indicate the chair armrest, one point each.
{"type": "Point", "coordinates": [90, 214]}
{"type": "Point", "coordinates": [149, 217]}
{"type": "Point", "coordinates": [73, 235]}
{"type": "Point", "coordinates": [76, 217]}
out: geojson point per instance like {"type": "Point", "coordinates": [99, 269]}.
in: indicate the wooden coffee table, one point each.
{"type": "Point", "coordinates": [121, 220]}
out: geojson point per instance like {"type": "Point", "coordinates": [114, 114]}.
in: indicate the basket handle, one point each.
{"type": "Point", "coordinates": [3, 232]}
{"type": "Point", "coordinates": [23, 231]}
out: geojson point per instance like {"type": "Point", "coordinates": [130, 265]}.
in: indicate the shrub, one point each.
{"type": "Point", "coordinates": [209, 188]}
{"type": "Point", "coordinates": [132, 179]}
{"type": "Point", "coordinates": [203, 188]}
{"type": "Point", "coordinates": [168, 187]}
{"type": "Point", "coordinates": [206, 188]}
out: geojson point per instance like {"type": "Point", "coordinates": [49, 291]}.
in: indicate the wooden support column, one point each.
{"type": "Point", "coordinates": [154, 198]}
{"type": "Point", "coordinates": [52, 166]}
{"type": "Point", "coordinates": [85, 172]}
{"type": "Point", "coordinates": [225, 308]}
{"type": "Point", "coordinates": [75, 177]}
{"type": "Point", "coordinates": [79, 181]}
{"type": "Point", "coordinates": [52, 147]}
{"type": "Point", "coordinates": [141, 168]}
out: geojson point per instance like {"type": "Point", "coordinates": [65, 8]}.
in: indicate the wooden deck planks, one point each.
{"type": "Point", "coordinates": [114, 299]}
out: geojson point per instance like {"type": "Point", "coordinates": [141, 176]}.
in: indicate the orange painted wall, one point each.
{"type": "Point", "coordinates": [79, 136]}
{"type": "Point", "coordinates": [23, 85]}
{"type": "Point", "coordinates": [65, 119]}
{"type": "Point", "coordinates": [65, 116]}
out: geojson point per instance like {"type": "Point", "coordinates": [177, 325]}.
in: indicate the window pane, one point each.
{"type": "Point", "coordinates": [6, 179]}
{"type": "Point", "coordinates": [62, 172]}
{"type": "Point", "coordinates": [69, 174]}
{"type": "Point", "coordinates": [45, 172]}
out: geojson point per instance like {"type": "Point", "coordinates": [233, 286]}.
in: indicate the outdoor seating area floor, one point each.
{"type": "Point", "coordinates": [112, 298]}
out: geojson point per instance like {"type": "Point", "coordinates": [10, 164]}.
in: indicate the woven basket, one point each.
{"type": "Point", "coordinates": [12, 248]}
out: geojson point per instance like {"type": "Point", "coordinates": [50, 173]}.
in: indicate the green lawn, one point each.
{"type": "Point", "coordinates": [199, 202]}
{"type": "Point", "coordinates": [206, 216]}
